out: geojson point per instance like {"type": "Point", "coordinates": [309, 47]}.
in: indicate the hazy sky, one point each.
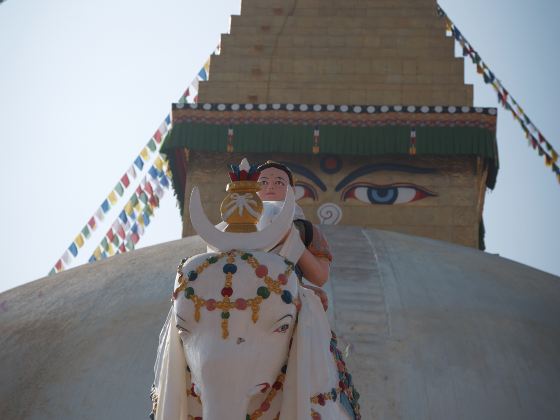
{"type": "Point", "coordinates": [83, 86]}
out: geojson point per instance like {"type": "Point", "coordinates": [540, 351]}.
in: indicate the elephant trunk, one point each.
{"type": "Point", "coordinates": [224, 404]}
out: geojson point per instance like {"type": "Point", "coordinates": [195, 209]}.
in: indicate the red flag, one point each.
{"type": "Point", "coordinates": [135, 238]}
{"type": "Point", "coordinates": [121, 233]}
{"type": "Point", "coordinates": [157, 136]}
{"type": "Point", "coordinates": [125, 180]}
{"type": "Point", "coordinates": [139, 190]}
{"type": "Point", "coordinates": [58, 265]}
{"type": "Point", "coordinates": [148, 188]}
{"type": "Point", "coordinates": [541, 137]}
{"type": "Point", "coordinates": [91, 222]}
{"type": "Point", "coordinates": [122, 248]}
{"type": "Point", "coordinates": [110, 235]}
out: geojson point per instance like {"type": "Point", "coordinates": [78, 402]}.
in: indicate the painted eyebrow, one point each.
{"type": "Point", "coordinates": [302, 170]}
{"type": "Point", "coordinates": [285, 316]}
{"type": "Point", "coordinates": [367, 169]}
{"type": "Point", "coordinates": [177, 315]}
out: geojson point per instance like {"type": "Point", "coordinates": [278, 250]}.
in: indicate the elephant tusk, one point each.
{"type": "Point", "coordinates": [263, 240]}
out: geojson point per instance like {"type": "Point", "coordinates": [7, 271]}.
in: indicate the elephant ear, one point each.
{"type": "Point", "coordinates": [310, 362]}
{"type": "Point", "coordinates": [170, 373]}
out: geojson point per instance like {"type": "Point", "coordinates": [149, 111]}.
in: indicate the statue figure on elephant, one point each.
{"type": "Point", "coordinates": [244, 339]}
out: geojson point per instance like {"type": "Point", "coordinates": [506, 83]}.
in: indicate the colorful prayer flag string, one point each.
{"type": "Point", "coordinates": [532, 133]}
{"type": "Point", "coordinates": [153, 145]}
{"type": "Point", "coordinates": [129, 226]}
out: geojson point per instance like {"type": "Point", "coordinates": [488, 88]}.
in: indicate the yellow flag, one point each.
{"type": "Point", "coordinates": [207, 66]}
{"type": "Point", "coordinates": [97, 253]}
{"type": "Point", "coordinates": [554, 156]}
{"type": "Point", "coordinates": [113, 197]}
{"type": "Point", "coordinates": [128, 208]}
{"type": "Point", "coordinates": [145, 153]}
{"type": "Point", "coordinates": [141, 221]}
{"type": "Point", "coordinates": [79, 240]}
{"type": "Point", "coordinates": [110, 250]}
{"type": "Point", "coordinates": [158, 163]}
{"type": "Point", "coordinates": [138, 206]}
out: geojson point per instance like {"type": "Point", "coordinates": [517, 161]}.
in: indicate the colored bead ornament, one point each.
{"type": "Point", "coordinates": [241, 304]}
{"type": "Point", "coordinates": [229, 269]}
{"type": "Point", "coordinates": [261, 271]}
{"type": "Point", "coordinates": [263, 292]}
{"type": "Point", "coordinates": [287, 296]}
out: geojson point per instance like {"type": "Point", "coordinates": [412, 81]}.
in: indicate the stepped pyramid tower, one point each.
{"type": "Point", "coordinates": [363, 99]}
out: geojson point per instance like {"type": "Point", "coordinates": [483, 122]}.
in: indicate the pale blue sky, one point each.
{"type": "Point", "coordinates": [83, 85]}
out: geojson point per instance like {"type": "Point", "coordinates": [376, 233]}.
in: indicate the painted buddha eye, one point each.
{"type": "Point", "coordinates": [385, 194]}
{"type": "Point", "coordinates": [304, 190]}
{"type": "Point", "coordinates": [282, 329]}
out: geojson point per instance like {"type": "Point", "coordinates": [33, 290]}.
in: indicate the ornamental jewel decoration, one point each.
{"type": "Point", "coordinates": [227, 304]}
{"type": "Point", "coordinates": [242, 207]}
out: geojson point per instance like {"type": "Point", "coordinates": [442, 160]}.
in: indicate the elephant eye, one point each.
{"type": "Point", "coordinates": [182, 329]}
{"type": "Point", "coordinates": [282, 329]}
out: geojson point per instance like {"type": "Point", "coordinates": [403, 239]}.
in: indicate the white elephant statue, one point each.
{"type": "Point", "coordinates": [244, 340]}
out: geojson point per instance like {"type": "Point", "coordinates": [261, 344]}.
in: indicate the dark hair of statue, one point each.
{"type": "Point", "coordinates": [277, 165]}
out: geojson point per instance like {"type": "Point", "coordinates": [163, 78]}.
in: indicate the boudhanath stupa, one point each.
{"type": "Point", "coordinates": [366, 102]}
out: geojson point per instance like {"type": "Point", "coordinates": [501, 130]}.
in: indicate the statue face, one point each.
{"type": "Point", "coordinates": [233, 369]}
{"type": "Point", "coordinates": [274, 183]}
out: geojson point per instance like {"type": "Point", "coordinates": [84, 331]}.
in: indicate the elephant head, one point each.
{"type": "Point", "coordinates": [243, 339]}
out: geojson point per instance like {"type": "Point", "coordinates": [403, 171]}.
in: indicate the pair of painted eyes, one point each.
{"type": "Point", "coordinates": [370, 193]}
{"type": "Point", "coordinates": [282, 329]}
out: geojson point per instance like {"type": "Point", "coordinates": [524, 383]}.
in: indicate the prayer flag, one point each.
{"type": "Point", "coordinates": [91, 223]}
{"type": "Point", "coordinates": [122, 249]}
{"type": "Point", "coordinates": [128, 208]}
{"type": "Point", "coordinates": [119, 189]}
{"type": "Point", "coordinates": [66, 257]}
{"type": "Point", "coordinates": [146, 218]}
{"type": "Point", "coordinates": [158, 163]}
{"type": "Point", "coordinates": [202, 74]}
{"type": "Point", "coordinates": [121, 232]}
{"type": "Point", "coordinates": [152, 145]}
{"type": "Point", "coordinates": [122, 216]}
{"type": "Point", "coordinates": [125, 180]}
{"type": "Point", "coordinates": [143, 197]}
{"type": "Point", "coordinates": [110, 234]}
{"type": "Point", "coordinates": [145, 153]}
{"type": "Point", "coordinates": [148, 187]}
{"type": "Point", "coordinates": [134, 200]}
{"type": "Point", "coordinates": [73, 249]}
{"type": "Point", "coordinates": [139, 163]}
{"type": "Point", "coordinates": [116, 240]}
{"type": "Point", "coordinates": [97, 253]}
{"type": "Point", "coordinates": [79, 240]}
{"type": "Point", "coordinates": [58, 265]}
{"type": "Point", "coordinates": [105, 244]}
{"type": "Point", "coordinates": [135, 238]}
{"type": "Point", "coordinates": [113, 198]}
{"type": "Point", "coordinates": [153, 172]}
{"type": "Point", "coordinates": [131, 172]}
{"type": "Point", "coordinates": [164, 181]}
{"type": "Point", "coordinates": [168, 118]}
{"type": "Point", "coordinates": [92, 259]}
{"type": "Point", "coordinates": [86, 232]}
{"type": "Point", "coordinates": [105, 206]}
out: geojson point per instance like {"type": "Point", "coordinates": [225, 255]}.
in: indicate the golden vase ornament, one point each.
{"type": "Point", "coordinates": [241, 208]}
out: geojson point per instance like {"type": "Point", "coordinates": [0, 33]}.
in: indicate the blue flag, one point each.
{"type": "Point", "coordinates": [73, 249]}
{"type": "Point", "coordinates": [105, 206]}
{"type": "Point", "coordinates": [139, 163]}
